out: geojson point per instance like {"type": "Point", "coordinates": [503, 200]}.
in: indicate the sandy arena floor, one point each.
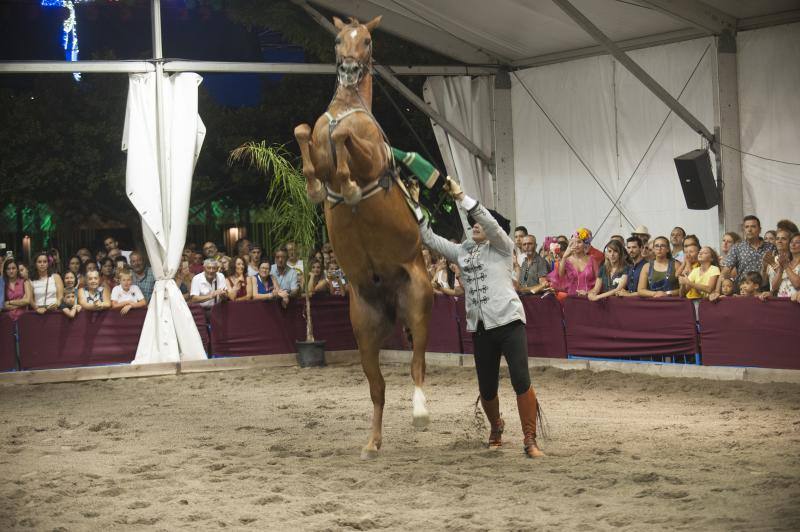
{"type": "Point", "coordinates": [278, 449]}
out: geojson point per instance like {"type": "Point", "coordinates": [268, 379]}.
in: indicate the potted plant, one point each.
{"type": "Point", "coordinates": [290, 216]}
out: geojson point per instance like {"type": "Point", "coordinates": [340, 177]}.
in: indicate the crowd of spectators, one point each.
{"type": "Point", "coordinates": [117, 280]}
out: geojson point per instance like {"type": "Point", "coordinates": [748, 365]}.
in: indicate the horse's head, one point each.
{"type": "Point", "coordinates": [353, 49]}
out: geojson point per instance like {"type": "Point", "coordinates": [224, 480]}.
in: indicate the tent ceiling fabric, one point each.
{"type": "Point", "coordinates": [511, 31]}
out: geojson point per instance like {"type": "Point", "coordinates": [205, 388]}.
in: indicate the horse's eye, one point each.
{"type": "Point", "coordinates": [338, 40]}
{"type": "Point", "coordinates": [367, 41]}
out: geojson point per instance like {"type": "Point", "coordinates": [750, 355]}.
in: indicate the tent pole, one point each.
{"type": "Point", "coordinates": [635, 69]}
{"type": "Point", "coordinates": [158, 58]}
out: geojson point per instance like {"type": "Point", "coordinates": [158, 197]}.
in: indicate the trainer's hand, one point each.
{"type": "Point", "coordinates": [454, 189]}
{"type": "Point", "coordinates": [413, 189]}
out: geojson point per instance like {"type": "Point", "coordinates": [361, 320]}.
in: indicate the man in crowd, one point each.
{"type": "Point", "coordinates": [531, 276]}
{"type": "Point", "coordinates": [520, 232]}
{"type": "Point", "coordinates": [676, 240]}
{"type": "Point", "coordinates": [634, 247]}
{"type": "Point", "coordinates": [210, 251]}
{"type": "Point", "coordinates": [142, 275]}
{"type": "Point", "coordinates": [111, 243]}
{"type": "Point", "coordinates": [255, 260]}
{"type": "Point", "coordinates": [293, 261]}
{"type": "Point", "coordinates": [643, 234]}
{"type": "Point", "coordinates": [284, 275]}
{"type": "Point", "coordinates": [747, 255]}
{"type": "Point", "coordinates": [208, 288]}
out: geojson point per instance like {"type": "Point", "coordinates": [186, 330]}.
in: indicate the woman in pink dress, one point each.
{"type": "Point", "coordinates": [576, 273]}
{"type": "Point", "coordinates": [18, 290]}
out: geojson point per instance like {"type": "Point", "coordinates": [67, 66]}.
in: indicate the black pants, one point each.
{"type": "Point", "coordinates": [509, 340]}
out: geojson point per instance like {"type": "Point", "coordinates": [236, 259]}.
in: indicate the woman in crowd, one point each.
{"type": "Point", "coordinates": [74, 265]}
{"type": "Point", "coordinates": [262, 284]}
{"type": "Point", "coordinates": [698, 283]}
{"type": "Point", "coordinates": [612, 277]}
{"type": "Point", "coordinates": [24, 273]}
{"type": "Point", "coordinates": [576, 273]}
{"type": "Point", "coordinates": [448, 281]}
{"type": "Point", "coordinates": [19, 292]}
{"type": "Point", "coordinates": [430, 265]}
{"type": "Point", "coordinates": [70, 283]}
{"type": "Point", "coordinates": [658, 277]}
{"type": "Point", "coordinates": [783, 271]}
{"type": "Point", "coordinates": [55, 261]}
{"type": "Point", "coordinates": [317, 282]}
{"type": "Point", "coordinates": [238, 287]}
{"type": "Point", "coordinates": [183, 279]}
{"type": "Point", "coordinates": [728, 240]}
{"type": "Point", "coordinates": [225, 266]}
{"type": "Point", "coordinates": [107, 273]}
{"type": "Point", "coordinates": [770, 236]}
{"type": "Point", "coordinates": [94, 296]}
{"type": "Point", "coordinates": [48, 288]}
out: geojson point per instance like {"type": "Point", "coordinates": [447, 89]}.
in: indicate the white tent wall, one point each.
{"type": "Point", "coordinates": [609, 118]}
{"type": "Point", "coordinates": [466, 103]}
{"type": "Point", "coordinates": [769, 118]}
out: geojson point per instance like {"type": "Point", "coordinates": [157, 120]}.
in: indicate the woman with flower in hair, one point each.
{"type": "Point", "coordinates": [577, 272]}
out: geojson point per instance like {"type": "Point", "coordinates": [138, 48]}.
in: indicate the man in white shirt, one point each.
{"type": "Point", "coordinates": [208, 288]}
{"type": "Point", "coordinates": [111, 243]}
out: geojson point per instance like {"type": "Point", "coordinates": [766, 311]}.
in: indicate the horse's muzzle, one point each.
{"type": "Point", "coordinates": [349, 72]}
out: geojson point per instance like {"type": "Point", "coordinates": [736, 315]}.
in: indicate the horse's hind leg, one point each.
{"type": "Point", "coordinates": [349, 188]}
{"type": "Point", "coordinates": [316, 192]}
{"type": "Point", "coordinates": [415, 307]}
{"type": "Point", "coordinates": [371, 328]}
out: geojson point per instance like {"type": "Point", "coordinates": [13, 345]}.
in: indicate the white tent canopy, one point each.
{"type": "Point", "coordinates": [588, 144]}
{"type": "Point", "coordinates": [160, 193]}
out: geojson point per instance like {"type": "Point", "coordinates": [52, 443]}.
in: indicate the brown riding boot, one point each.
{"type": "Point", "coordinates": [528, 410]}
{"type": "Point", "coordinates": [496, 423]}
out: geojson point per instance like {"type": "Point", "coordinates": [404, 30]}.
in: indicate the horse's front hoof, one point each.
{"type": "Point", "coordinates": [421, 421]}
{"type": "Point", "coordinates": [316, 194]}
{"type": "Point", "coordinates": [369, 453]}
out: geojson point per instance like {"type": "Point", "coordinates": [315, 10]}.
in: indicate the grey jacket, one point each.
{"type": "Point", "coordinates": [486, 270]}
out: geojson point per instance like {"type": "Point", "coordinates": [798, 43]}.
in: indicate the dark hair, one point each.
{"type": "Point", "coordinates": [751, 217]}
{"type": "Point", "coordinates": [635, 239]}
{"type": "Point", "coordinates": [773, 231]}
{"type": "Point", "coordinates": [521, 228]}
{"type": "Point", "coordinates": [6, 264]}
{"type": "Point", "coordinates": [33, 271]}
{"type": "Point", "coordinates": [682, 230]}
{"type": "Point", "coordinates": [734, 235]}
{"type": "Point", "coordinates": [620, 249]}
{"type": "Point", "coordinates": [788, 225]}
{"type": "Point", "coordinates": [691, 237]}
{"type": "Point", "coordinates": [282, 248]}
{"type": "Point", "coordinates": [754, 277]}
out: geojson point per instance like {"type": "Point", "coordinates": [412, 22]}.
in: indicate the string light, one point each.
{"type": "Point", "coordinates": [69, 33]}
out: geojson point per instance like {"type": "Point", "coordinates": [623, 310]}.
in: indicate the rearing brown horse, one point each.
{"type": "Point", "coordinates": [346, 161]}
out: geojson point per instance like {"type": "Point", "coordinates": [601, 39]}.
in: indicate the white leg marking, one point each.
{"type": "Point", "coordinates": [421, 415]}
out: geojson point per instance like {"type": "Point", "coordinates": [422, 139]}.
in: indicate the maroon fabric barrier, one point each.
{"type": "Point", "coordinates": [628, 326]}
{"type": "Point", "coordinates": [331, 320]}
{"type": "Point", "coordinates": [8, 345]}
{"type": "Point", "coordinates": [199, 315]}
{"type": "Point", "coordinates": [544, 327]}
{"type": "Point", "coordinates": [443, 333]}
{"type": "Point", "coordinates": [745, 331]}
{"type": "Point", "coordinates": [52, 340]}
{"type": "Point", "coordinates": [245, 328]}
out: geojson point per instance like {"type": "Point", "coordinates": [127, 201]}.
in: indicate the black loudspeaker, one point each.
{"type": "Point", "coordinates": [697, 180]}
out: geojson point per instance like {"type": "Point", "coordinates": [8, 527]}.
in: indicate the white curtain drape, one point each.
{"type": "Point", "coordinates": [169, 333]}
{"type": "Point", "coordinates": [467, 104]}
{"type": "Point", "coordinates": [609, 118]}
{"type": "Point", "coordinates": [769, 121]}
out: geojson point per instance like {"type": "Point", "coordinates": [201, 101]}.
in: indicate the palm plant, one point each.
{"type": "Point", "coordinates": [289, 214]}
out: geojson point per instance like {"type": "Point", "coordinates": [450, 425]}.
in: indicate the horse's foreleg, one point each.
{"type": "Point", "coordinates": [316, 192]}
{"type": "Point", "coordinates": [415, 305]}
{"type": "Point", "coordinates": [349, 188]}
{"type": "Point", "coordinates": [370, 329]}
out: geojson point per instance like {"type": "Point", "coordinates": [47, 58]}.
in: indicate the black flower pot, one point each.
{"type": "Point", "coordinates": [310, 354]}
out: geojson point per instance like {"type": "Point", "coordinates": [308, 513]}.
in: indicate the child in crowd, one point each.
{"type": "Point", "coordinates": [126, 295]}
{"type": "Point", "coordinates": [336, 279]}
{"type": "Point", "coordinates": [728, 287]}
{"type": "Point", "coordinates": [750, 284]}
{"type": "Point", "coordinates": [69, 306]}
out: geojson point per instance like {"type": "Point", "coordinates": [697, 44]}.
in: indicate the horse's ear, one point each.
{"type": "Point", "coordinates": [338, 23]}
{"type": "Point", "coordinates": [372, 24]}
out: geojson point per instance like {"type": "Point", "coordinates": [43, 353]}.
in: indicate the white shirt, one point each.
{"type": "Point", "coordinates": [201, 287]}
{"type": "Point", "coordinates": [119, 295]}
{"type": "Point", "coordinates": [44, 291]}
{"type": "Point", "coordinates": [297, 265]}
